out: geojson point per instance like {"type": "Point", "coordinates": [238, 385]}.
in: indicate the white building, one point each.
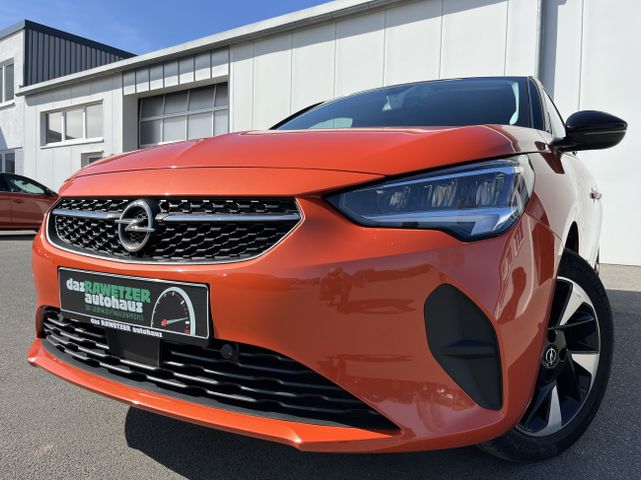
{"type": "Point", "coordinates": [32, 53]}
{"type": "Point", "coordinates": [586, 52]}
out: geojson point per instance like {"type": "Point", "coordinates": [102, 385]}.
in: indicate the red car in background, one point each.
{"type": "Point", "coordinates": [23, 202]}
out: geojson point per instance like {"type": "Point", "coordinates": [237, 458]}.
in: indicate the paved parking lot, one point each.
{"type": "Point", "coordinates": [51, 429]}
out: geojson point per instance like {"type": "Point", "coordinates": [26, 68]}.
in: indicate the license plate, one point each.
{"type": "Point", "coordinates": [161, 309]}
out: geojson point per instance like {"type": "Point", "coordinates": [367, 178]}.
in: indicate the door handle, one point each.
{"type": "Point", "coordinates": [595, 194]}
{"type": "Point", "coordinates": [18, 200]}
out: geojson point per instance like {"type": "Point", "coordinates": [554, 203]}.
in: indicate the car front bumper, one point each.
{"type": "Point", "coordinates": [348, 303]}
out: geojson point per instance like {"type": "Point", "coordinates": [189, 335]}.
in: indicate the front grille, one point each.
{"type": "Point", "coordinates": [259, 382]}
{"type": "Point", "coordinates": [201, 230]}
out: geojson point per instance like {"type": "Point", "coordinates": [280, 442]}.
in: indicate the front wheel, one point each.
{"type": "Point", "coordinates": [574, 369]}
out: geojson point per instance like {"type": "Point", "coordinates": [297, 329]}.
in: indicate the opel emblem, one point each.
{"type": "Point", "coordinates": [551, 356]}
{"type": "Point", "coordinates": [136, 224]}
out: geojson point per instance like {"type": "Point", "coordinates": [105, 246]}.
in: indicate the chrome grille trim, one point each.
{"type": "Point", "coordinates": [201, 231]}
{"type": "Point", "coordinates": [86, 214]}
{"type": "Point", "coordinates": [180, 218]}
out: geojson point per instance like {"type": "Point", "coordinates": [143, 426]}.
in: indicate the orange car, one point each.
{"type": "Point", "coordinates": [409, 268]}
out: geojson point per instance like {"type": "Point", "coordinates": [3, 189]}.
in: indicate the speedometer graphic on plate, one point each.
{"type": "Point", "coordinates": [174, 312]}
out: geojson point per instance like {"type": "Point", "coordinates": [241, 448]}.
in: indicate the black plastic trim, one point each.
{"type": "Point", "coordinates": [93, 348]}
{"type": "Point", "coordinates": [463, 341]}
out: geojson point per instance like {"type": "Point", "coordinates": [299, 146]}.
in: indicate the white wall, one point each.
{"type": "Point", "coordinates": [592, 60]}
{"type": "Point", "coordinates": [276, 76]}
{"type": "Point", "coordinates": [12, 113]}
{"type": "Point", "coordinates": [52, 165]}
{"type": "Point", "coordinates": [175, 73]}
{"type": "Point", "coordinates": [119, 93]}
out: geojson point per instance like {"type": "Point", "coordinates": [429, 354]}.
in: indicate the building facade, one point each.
{"type": "Point", "coordinates": [31, 53]}
{"type": "Point", "coordinates": [251, 77]}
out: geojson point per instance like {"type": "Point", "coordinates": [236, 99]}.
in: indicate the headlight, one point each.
{"type": "Point", "coordinates": [470, 202]}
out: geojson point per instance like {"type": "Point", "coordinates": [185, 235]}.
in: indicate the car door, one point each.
{"type": "Point", "coordinates": [5, 204]}
{"type": "Point", "coordinates": [29, 201]}
{"type": "Point", "coordinates": [589, 205]}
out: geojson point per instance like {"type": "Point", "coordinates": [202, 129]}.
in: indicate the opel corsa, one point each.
{"type": "Point", "coordinates": [413, 267]}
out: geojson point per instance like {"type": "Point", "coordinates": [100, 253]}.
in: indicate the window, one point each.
{"type": "Point", "coordinates": [187, 114]}
{"type": "Point", "coordinates": [473, 101]}
{"type": "Point", "coordinates": [79, 123]}
{"type": "Point", "coordinates": [8, 162]}
{"type": "Point", "coordinates": [6, 82]}
{"type": "Point", "coordinates": [19, 184]}
{"type": "Point", "coordinates": [87, 158]}
{"type": "Point", "coordinates": [557, 125]}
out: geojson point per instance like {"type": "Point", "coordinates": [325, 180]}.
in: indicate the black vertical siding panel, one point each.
{"type": "Point", "coordinates": [45, 58]}
{"type": "Point", "coordinates": [45, 54]}
{"type": "Point", "coordinates": [28, 57]}
{"type": "Point", "coordinates": [52, 56]}
{"type": "Point", "coordinates": [78, 58]}
{"type": "Point", "coordinates": [37, 60]}
{"type": "Point", "coordinates": [57, 58]}
{"type": "Point", "coordinates": [48, 55]}
{"type": "Point", "coordinates": [67, 57]}
{"type": "Point", "coordinates": [36, 53]}
{"type": "Point", "coordinates": [74, 57]}
{"type": "Point", "coordinates": [37, 56]}
{"type": "Point", "coordinates": [63, 57]}
{"type": "Point", "coordinates": [25, 59]}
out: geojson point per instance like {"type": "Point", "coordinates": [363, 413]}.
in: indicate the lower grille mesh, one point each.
{"type": "Point", "coordinates": [259, 382]}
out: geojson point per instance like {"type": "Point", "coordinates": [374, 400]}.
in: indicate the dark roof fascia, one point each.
{"type": "Point", "coordinates": [29, 25]}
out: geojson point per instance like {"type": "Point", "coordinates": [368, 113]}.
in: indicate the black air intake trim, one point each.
{"type": "Point", "coordinates": [463, 341]}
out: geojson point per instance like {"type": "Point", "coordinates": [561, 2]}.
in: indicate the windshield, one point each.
{"type": "Point", "coordinates": [469, 101]}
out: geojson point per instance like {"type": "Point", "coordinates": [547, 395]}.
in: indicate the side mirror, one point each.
{"type": "Point", "coordinates": [591, 130]}
{"type": "Point", "coordinates": [50, 193]}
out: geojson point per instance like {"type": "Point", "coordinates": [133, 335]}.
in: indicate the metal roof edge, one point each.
{"type": "Point", "coordinates": [11, 29]}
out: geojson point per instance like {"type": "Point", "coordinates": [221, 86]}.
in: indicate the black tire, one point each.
{"type": "Point", "coordinates": [523, 445]}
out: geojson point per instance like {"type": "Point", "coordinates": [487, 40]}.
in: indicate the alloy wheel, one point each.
{"type": "Point", "coordinates": [569, 362]}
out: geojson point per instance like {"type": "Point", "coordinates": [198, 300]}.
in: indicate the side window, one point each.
{"type": "Point", "coordinates": [333, 123]}
{"type": "Point", "coordinates": [538, 121]}
{"type": "Point", "coordinates": [3, 184]}
{"type": "Point", "coordinates": [24, 185]}
{"type": "Point", "coordinates": [554, 118]}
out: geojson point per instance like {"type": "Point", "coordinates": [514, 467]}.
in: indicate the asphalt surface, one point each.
{"type": "Point", "coordinates": [51, 429]}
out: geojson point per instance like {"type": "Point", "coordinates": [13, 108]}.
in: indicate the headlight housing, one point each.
{"type": "Point", "coordinates": [470, 202]}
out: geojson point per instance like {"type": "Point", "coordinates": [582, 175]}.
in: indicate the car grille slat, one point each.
{"type": "Point", "coordinates": [253, 378]}
{"type": "Point", "coordinates": [259, 382]}
{"type": "Point", "coordinates": [187, 230]}
{"type": "Point", "coordinates": [258, 368]}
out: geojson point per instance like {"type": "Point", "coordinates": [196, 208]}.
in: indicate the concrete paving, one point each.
{"type": "Point", "coordinates": [51, 429]}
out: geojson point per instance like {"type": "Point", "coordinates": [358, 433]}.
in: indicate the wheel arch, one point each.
{"type": "Point", "coordinates": [572, 238]}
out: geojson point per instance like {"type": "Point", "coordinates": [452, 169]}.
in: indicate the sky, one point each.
{"type": "Point", "coordinates": [141, 26]}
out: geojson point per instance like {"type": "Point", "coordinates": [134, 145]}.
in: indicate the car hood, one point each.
{"type": "Point", "coordinates": [386, 151]}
